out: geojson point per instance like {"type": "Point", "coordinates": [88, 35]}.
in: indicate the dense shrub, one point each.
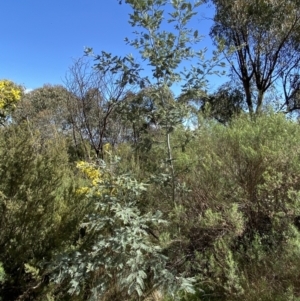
{"type": "Point", "coordinates": [242, 214]}
{"type": "Point", "coordinates": [39, 209]}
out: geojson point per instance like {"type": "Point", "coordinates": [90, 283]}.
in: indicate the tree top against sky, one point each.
{"type": "Point", "coordinates": [40, 39]}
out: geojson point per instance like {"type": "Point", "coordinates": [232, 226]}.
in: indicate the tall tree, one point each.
{"type": "Point", "coordinates": [164, 50]}
{"type": "Point", "coordinates": [97, 92]}
{"type": "Point", "coordinates": [259, 39]}
{"type": "Point", "coordinates": [224, 104]}
{"type": "Point", "coordinates": [46, 109]}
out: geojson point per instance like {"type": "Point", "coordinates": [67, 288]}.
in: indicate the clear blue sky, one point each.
{"type": "Point", "coordinates": [39, 38]}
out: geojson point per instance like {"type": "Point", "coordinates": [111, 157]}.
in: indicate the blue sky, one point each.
{"type": "Point", "coordinates": [39, 38]}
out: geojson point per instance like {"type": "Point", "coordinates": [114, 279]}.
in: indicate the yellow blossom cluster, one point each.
{"type": "Point", "coordinates": [10, 94]}
{"type": "Point", "coordinates": [83, 190]}
{"type": "Point", "coordinates": [92, 172]}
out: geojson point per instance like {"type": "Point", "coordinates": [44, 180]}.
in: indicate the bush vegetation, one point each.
{"type": "Point", "coordinates": [113, 188]}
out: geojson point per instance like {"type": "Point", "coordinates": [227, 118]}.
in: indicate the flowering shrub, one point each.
{"type": "Point", "coordinates": [96, 178]}
{"type": "Point", "coordinates": [90, 171]}
{"type": "Point", "coordinates": [10, 94]}
{"type": "Point", "coordinates": [118, 248]}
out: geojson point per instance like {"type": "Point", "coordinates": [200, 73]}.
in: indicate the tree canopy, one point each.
{"type": "Point", "coordinates": [260, 42]}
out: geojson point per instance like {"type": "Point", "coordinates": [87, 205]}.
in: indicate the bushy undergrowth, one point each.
{"type": "Point", "coordinates": [234, 225]}
{"type": "Point", "coordinates": [240, 221]}
{"type": "Point", "coordinates": [40, 211]}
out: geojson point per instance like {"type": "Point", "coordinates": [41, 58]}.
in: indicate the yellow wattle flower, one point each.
{"type": "Point", "coordinates": [10, 94]}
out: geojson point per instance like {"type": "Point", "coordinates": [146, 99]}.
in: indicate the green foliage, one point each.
{"type": "Point", "coordinates": [120, 249]}
{"type": "Point", "coordinates": [261, 48]}
{"type": "Point", "coordinates": [223, 105]}
{"type": "Point", "coordinates": [241, 216]}
{"type": "Point", "coordinates": [37, 194]}
{"type": "Point", "coordinates": [46, 109]}
{"type": "Point", "coordinates": [164, 50]}
{"type": "Point", "coordinates": [97, 92]}
{"type": "Point", "coordinates": [205, 211]}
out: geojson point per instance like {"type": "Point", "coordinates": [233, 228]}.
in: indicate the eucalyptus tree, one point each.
{"type": "Point", "coordinates": [97, 92]}
{"type": "Point", "coordinates": [165, 41]}
{"type": "Point", "coordinates": [139, 112]}
{"type": "Point", "coordinates": [224, 104]}
{"type": "Point", "coordinates": [45, 109]}
{"type": "Point", "coordinates": [260, 41]}
{"type": "Point", "coordinates": [121, 255]}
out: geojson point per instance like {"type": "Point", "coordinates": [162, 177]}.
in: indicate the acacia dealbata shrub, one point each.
{"type": "Point", "coordinates": [241, 219]}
